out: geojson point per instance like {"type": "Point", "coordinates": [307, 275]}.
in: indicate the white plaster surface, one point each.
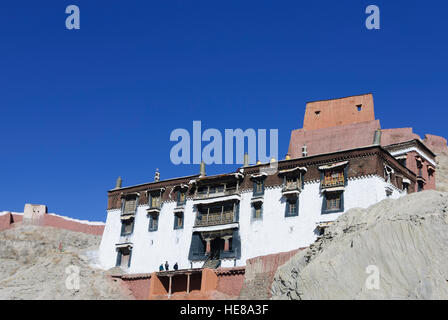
{"type": "Point", "coordinates": [272, 233]}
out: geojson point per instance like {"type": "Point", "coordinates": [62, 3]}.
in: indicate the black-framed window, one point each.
{"type": "Point", "coordinates": [181, 197]}
{"type": "Point", "coordinates": [258, 187]}
{"type": "Point", "coordinates": [129, 205]}
{"type": "Point", "coordinates": [292, 207]}
{"type": "Point", "coordinates": [257, 210]}
{"type": "Point", "coordinates": [420, 186]}
{"type": "Point", "coordinates": [402, 161]}
{"type": "Point", "coordinates": [333, 202]}
{"type": "Point", "coordinates": [127, 226]}
{"type": "Point", "coordinates": [124, 256]}
{"type": "Point", "coordinates": [178, 220]}
{"type": "Point", "coordinates": [153, 222]}
{"type": "Point", "coordinates": [155, 200]}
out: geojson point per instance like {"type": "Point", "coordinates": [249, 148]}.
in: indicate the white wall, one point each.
{"type": "Point", "coordinates": [273, 233]}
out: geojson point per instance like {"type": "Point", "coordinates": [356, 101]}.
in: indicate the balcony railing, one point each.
{"type": "Point", "coordinates": [292, 186]}
{"type": "Point", "coordinates": [208, 195]}
{"type": "Point", "coordinates": [333, 181]}
{"type": "Point", "coordinates": [213, 219]}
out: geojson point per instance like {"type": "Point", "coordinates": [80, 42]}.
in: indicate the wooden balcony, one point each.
{"type": "Point", "coordinates": [333, 181]}
{"type": "Point", "coordinates": [292, 187]}
{"type": "Point", "coordinates": [213, 219]}
{"type": "Point", "coordinates": [209, 195]}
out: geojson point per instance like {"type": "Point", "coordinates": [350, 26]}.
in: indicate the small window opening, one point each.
{"type": "Point", "coordinates": [359, 107]}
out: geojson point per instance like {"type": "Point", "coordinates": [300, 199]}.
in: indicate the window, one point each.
{"type": "Point", "coordinates": [127, 226]}
{"type": "Point", "coordinates": [181, 197]}
{"type": "Point", "coordinates": [359, 107]}
{"type": "Point", "coordinates": [153, 222]}
{"type": "Point", "coordinates": [124, 257]}
{"type": "Point", "coordinates": [258, 187]}
{"type": "Point", "coordinates": [420, 174]}
{"type": "Point", "coordinates": [291, 183]}
{"type": "Point", "coordinates": [420, 186]}
{"type": "Point", "coordinates": [129, 205]}
{"type": "Point", "coordinates": [155, 201]}
{"type": "Point", "coordinates": [257, 210]}
{"type": "Point", "coordinates": [178, 220]}
{"type": "Point", "coordinates": [333, 202]}
{"type": "Point", "coordinates": [333, 178]}
{"type": "Point", "coordinates": [292, 207]}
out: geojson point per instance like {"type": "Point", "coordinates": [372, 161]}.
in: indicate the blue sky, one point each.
{"type": "Point", "coordinates": [81, 107]}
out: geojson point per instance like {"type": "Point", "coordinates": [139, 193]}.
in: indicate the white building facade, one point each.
{"type": "Point", "coordinates": [210, 221]}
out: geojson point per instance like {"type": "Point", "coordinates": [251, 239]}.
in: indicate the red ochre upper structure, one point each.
{"type": "Point", "coordinates": [338, 112]}
{"type": "Point", "coordinates": [349, 123]}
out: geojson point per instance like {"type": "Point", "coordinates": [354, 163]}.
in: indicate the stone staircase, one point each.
{"type": "Point", "coordinates": [212, 264]}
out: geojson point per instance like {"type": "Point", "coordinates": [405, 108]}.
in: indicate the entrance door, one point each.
{"type": "Point", "coordinates": [216, 246]}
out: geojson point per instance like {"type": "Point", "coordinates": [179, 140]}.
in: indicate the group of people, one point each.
{"type": "Point", "coordinates": [167, 266]}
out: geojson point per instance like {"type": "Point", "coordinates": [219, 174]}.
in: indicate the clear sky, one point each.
{"type": "Point", "coordinates": [81, 107]}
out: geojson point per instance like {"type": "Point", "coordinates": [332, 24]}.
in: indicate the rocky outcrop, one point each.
{"type": "Point", "coordinates": [259, 274]}
{"type": "Point", "coordinates": [442, 169]}
{"type": "Point", "coordinates": [395, 249]}
{"type": "Point", "coordinates": [42, 262]}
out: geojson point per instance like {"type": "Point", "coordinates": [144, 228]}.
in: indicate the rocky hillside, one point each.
{"type": "Point", "coordinates": [442, 170]}
{"type": "Point", "coordinates": [35, 261]}
{"type": "Point", "coordinates": [395, 249]}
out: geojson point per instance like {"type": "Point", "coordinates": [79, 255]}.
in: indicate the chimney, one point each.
{"type": "Point", "coordinates": [377, 137]}
{"type": "Point", "coordinates": [157, 175]}
{"type": "Point", "coordinates": [118, 183]}
{"type": "Point", "coordinates": [246, 159]}
{"type": "Point", "coordinates": [202, 169]}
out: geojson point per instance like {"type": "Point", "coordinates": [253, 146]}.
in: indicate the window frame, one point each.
{"type": "Point", "coordinates": [176, 220]}
{"type": "Point", "coordinates": [123, 233]}
{"type": "Point", "coordinates": [120, 258]}
{"type": "Point", "coordinates": [256, 183]}
{"type": "Point", "coordinates": [325, 210]}
{"type": "Point", "coordinates": [151, 222]}
{"type": "Point", "coordinates": [179, 202]}
{"type": "Point", "coordinates": [288, 207]}
{"type": "Point", "coordinates": [254, 211]}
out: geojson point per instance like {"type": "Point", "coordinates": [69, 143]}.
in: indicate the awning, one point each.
{"type": "Point", "coordinates": [334, 165]}
{"type": "Point", "coordinates": [137, 194]}
{"type": "Point", "coordinates": [234, 197]}
{"type": "Point", "coordinates": [333, 189]}
{"type": "Point", "coordinates": [322, 225]}
{"type": "Point", "coordinates": [179, 209]}
{"type": "Point", "coordinates": [127, 216]}
{"type": "Point", "coordinates": [258, 175]}
{"type": "Point", "coordinates": [123, 245]}
{"type": "Point", "coordinates": [257, 199]}
{"type": "Point", "coordinates": [217, 227]}
{"type": "Point", "coordinates": [292, 170]}
{"type": "Point", "coordinates": [161, 189]}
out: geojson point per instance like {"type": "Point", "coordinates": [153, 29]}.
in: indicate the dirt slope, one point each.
{"type": "Point", "coordinates": [404, 240]}
{"type": "Point", "coordinates": [32, 266]}
{"type": "Point", "coordinates": [442, 170]}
